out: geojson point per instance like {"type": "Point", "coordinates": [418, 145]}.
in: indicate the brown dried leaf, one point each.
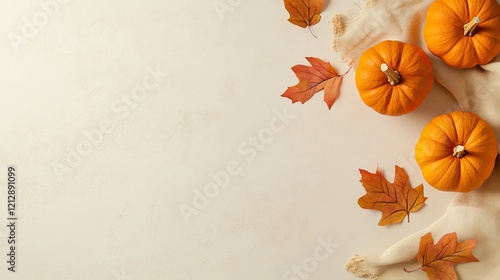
{"type": "Point", "coordinates": [395, 200]}
{"type": "Point", "coordinates": [438, 260]}
{"type": "Point", "coordinates": [304, 13]}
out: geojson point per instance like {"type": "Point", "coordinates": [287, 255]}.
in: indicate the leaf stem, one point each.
{"type": "Point", "coordinates": [309, 27]}
{"type": "Point", "coordinates": [412, 270]}
{"type": "Point", "coordinates": [341, 75]}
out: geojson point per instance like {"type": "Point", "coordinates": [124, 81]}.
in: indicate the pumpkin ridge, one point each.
{"type": "Point", "coordinates": [397, 49]}
{"type": "Point", "coordinates": [459, 169]}
{"type": "Point", "coordinates": [478, 143]}
{"type": "Point", "coordinates": [442, 174]}
{"type": "Point", "coordinates": [467, 137]}
{"type": "Point", "coordinates": [483, 10]}
{"type": "Point", "coordinates": [447, 142]}
{"type": "Point", "coordinates": [457, 117]}
{"type": "Point", "coordinates": [480, 125]}
{"type": "Point", "coordinates": [403, 48]}
{"type": "Point", "coordinates": [377, 55]}
{"type": "Point", "coordinates": [466, 122]}
{"type": "Point", "coordinates": [479, 44]}
{"type": "Point", "coordinates": [453, 139]}
{"type": "Point", "coordinates": [490, 21]}
{"type": "Point", "coordinates": [465, 44]}
{"type": "Point", "coordinates": [408, 93]}
{"type": "Point", "coordinates": [454, 165]}
{"type": "Point", "coordinates": [413, 60]}
{"type": "Point", "coordinates": [444, 7]}
{"type": "Point", "coordinates": [473, 166]}
{"type": "Point", "coordinates": [382, 99]}
{"type": "Point", "coordinates": [368, 86]}
{"type": "Point", "coordinates": [466, 12]}
{"type": "Point", "coordinates": [374, 55]}
{"type": "Point", "coordinates": [440, 143]}
{"type": "Point", "coordinates": [443, 10]}
{"type": "Point", "coordinates": [374, 63]}
{"type": "Point", "coordinates": [394, 97]}
{"type": "Point", "coordinates": [450, 36]}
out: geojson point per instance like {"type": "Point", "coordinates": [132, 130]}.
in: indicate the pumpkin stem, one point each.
{"type": "Point", "coordinates": [392, 76]}
{"type": "Point", "coordinates": [459, 151]}
{"type": "Point", "coordinates": [471, 27]}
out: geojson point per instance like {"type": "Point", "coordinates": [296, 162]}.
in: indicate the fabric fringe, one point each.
{"type": "Point", "coordinates": [339, 23]}
{"type": "Point", "coordinates": [357, 266]}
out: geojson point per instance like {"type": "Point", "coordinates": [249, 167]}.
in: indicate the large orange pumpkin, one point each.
{"type": "Point", "coordinates": [393, 78]}
{"type": "Point", "coordinates": [456, 151]}
{"type": "Point", "coordinates": [463, 33]}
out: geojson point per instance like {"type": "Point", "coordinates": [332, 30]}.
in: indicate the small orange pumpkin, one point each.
{"type": "Point", "coordinates": [393, 78]}
{"type": "Point", "coordinates": [456, 151]}
{"type": "Point", "coordinates": [463, 33]}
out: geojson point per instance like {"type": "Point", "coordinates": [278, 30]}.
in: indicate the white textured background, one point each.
{"type": "Point", "coordinates": [115, 213]}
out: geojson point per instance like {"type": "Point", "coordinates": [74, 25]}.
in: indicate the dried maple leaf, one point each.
{"type": "Point", "coordinates": [304, 13]}
{"type": "Point", "coordinates": [312, 79]}
{"type": "Point", "coordinates": [438, 260]}
{"type": "Point", "coordinates": [395, 200]}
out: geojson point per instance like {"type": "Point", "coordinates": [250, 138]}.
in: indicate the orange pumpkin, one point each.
{"type": "Point", "coordinates": [463, 33]}
{"type": "Point", "coordinates": [456, 152]}
{"type": "Point", "coordinates": [393, 78]}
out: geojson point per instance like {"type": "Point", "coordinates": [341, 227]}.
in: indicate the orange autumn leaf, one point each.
{"type": "Point", "coordinates": [304, 13]}
{"type": "Point", "coordinates": [395, 200]}
{"type": "Point", "coordinates": [312, 79]}
{"type": "Point", "coordinates": [438, 260]}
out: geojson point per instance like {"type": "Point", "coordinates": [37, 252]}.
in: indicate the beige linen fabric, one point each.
{"type": "Point", "coordinates": [474, 215]}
